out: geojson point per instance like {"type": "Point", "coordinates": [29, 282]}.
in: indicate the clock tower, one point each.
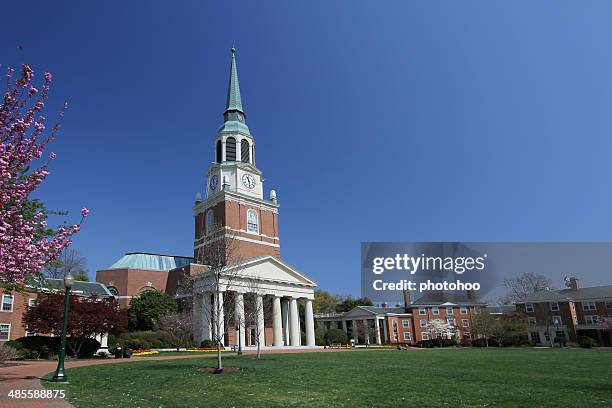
{"type": "Point", "coordinates": [234, 186]}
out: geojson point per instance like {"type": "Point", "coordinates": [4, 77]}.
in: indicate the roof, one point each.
{"type": "Point", "coordinates": [501, 309]}
{"type": "Point", "coordinates": [78, 287]}
{"type": "Point", "coordinates": [589, 293]}
{"type": "Point", "coordinates": [154, 262]}
{"type": "Point", "coordinates": [442, 298]}
{"type": "Point", "coordinates": [383, 310]}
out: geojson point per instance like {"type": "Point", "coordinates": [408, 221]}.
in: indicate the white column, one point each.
{"type": "Point", "coordinates": [222, 150]}
{"type": "Point", "coordinates": [104, 341]}
{"type": "Point", "coordinates": [277, 323]}
{"type": "Point", "coordinates": [366, 331]}
{"type": "Point", "coordinates": [205, 316]}
{"type": "Point", "coordinates": [355, 333]}
{"type": "Point", "coordinates": [295, 321]}
{"type": "Point", "coordinates": [299, 327]}
{"type": "Point", "coordinates": [385, 333]}
{"type": "Point", "coordinates": [344, 327]}
{"type": "Point", "coordinates": [240, 319]}
{"type": "Point", "coordinates": [285, 317]}
{"type": "Point", "coordinates": [261, 327]}
{"type": "Point", "coordinates": [196, 318]}
{"type": "Point", "coordinates": [218, 313]}
{"type": "Point", "coordinates": [377, 328]}
{"type": "Point", "coordinates": [309, 322]}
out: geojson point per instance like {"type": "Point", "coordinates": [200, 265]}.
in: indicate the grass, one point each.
{"type": "Point", "coordinates": [364, 378]}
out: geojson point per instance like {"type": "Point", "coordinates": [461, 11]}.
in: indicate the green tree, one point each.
{"type": "Point", "coordinates": [336, 336]}
{"type": "Point", "coordinates": [324, 302]}
{"type": "Point", "coordinates": [145, 312]}
{"type": "Point", "coordinates": [349, 303]}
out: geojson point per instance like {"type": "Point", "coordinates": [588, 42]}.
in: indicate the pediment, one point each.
{"type": "Point", "coordinates": [359, 312]}
{"type": "Point", "coordinates": [272, 269]}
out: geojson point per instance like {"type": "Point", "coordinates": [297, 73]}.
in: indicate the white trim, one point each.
{"type": "Point", "coordinates": [255, 241]}
{"type": "Point", "coordinates": [9, 331]}
{"type": "Point", "coordinates": [409, 335]}
{"type": "Point", "coordinates": [12, 303]}
{"type": "Point", "coordinates": [554, 309]}
{"type": "Point", "coordinates": [248, 223]}
{"type": "Point", "coordinates": [584, 304]}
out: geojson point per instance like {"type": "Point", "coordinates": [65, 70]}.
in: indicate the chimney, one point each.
{"type": "Point", "coordinates": [407, 301]}
{"type": "Point", "coordinates": [471, 294]}
{"type": "Point", "coordinates": [574, 283]}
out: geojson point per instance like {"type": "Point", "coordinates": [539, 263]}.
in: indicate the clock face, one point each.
{"type": "Point", "coordinates": [214, 182]}
{"type": "Point", "coordinates": [248, 181]}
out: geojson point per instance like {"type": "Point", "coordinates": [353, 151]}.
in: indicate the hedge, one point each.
{"type": "Point", "coordinates": [46, 347]}
{"type": "Point", "coordinates": [144, 340]}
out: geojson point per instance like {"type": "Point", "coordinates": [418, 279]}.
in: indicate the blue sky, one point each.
{"type": "Point", "coordinates": [374, 121]}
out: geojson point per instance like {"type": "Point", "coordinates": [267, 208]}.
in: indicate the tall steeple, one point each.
{"type": "Point", "coordinates": [234, 117]}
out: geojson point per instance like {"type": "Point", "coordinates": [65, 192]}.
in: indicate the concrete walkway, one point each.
{"type": "Point", "coordinates": [28, 374]}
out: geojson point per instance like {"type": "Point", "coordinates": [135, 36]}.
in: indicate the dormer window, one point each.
{"type": "Point", "coordinates": [252, 222]}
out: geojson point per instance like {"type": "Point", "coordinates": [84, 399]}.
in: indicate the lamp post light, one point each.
{"type": "Point", "coordinates": [60, 372]}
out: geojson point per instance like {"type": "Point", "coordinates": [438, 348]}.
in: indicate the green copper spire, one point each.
{"type": "Point", "coordinates": [234, 102]}
{"type": "Point", "coordinates": [234, 117]}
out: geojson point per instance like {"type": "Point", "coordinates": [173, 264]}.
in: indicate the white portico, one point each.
{"type": "Point", "coordinates": [268, 280]}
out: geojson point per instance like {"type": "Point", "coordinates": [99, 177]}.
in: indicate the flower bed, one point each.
{"type": "Point", "coordinates": [204, 349]}
{"type": "Point", "coordinates": [144, 352]}
{"type": "Point", "coordinates": [340, 346]}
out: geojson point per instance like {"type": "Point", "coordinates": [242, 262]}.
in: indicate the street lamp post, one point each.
{"type": "Point", "coordinates": [60, 372]}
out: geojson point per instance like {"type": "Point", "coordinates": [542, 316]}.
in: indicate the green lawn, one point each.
{"type": "Point", "coordinates": [372, 378]}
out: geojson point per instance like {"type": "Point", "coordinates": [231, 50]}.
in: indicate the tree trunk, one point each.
{"type": "Point", "coordinates": [486, 341]}
{"type": "Point", "coordinates": [258, 349]}
{"type": "Point", "coordinates": [219, 362]}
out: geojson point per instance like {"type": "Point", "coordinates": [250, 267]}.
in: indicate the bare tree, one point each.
{"type": "Point", "coordinates": [483, 325]}
{"type": "Point", "coordinates": [179, 326]}
{"type": "Point", "coordinates": [254, 312]}
{"type": "Point", "coordinates": [69, 260]}
{"type": "Point", "coordinates": [527, 284]}
{"type": "Point", "coordinates": [218, 252]}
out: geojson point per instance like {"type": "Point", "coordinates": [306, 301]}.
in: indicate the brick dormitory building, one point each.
{"type": "Point", "coordinates": [553, 317]}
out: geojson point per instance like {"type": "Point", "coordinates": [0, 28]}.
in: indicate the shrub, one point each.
{"type": "Point", "coordinates": [208, 344]}
{"type": "Point", "coordinates": [44, 347]}
{"type": "Point", "coordinates": [335, 336]}
{"type": "Point", "coordinates": [436, 343]}
{"type": "Point", "coordinates": [144, 340]}
{"type": "Point", "coordinates": [8, 353]}
{"type": "Point", "coordinates": [586, 342]}
{"type": "Point", "coordinates": [483, 343]}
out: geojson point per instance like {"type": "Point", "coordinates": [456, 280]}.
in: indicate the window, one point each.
{"type": "Point", "coordinates": [7, 303]}
{"type": "Point", "coordinates": [422, 311]}
{"type": "Point", "coordinates": [210, 221]}
{"type": "Point", "coordinates": [451, 321]}
{"type": "Point", "coordinates": [535, 336]}
{"type": "Point", "coordinates": [407, 336]}
{"type": "Point", "coordinates": [529, 307]}
{"type": "Point", "coordinates": [252, 221]}
{"type": "Point", "coordinates": [608, 305]}
{"type": "Point", "coordinates": [532, 321]}
{"type": "Point", "coordinates": [5, 331]}
{"type": "Point", "coordinates": [449, 310]}
{"type": "Point", "coordinates": [467, 335]}
{"type": "Point", "coordinates": [423, 323]}
{"type": "Point", "coordinates": [425, 336]}
{"type": "Point", "coordinates": [477, 310]}
{"type": "Point", "coordinates": [547, 336]}
{"type": "Point", "coordinates": [554, 306]}
{"type": "Point", "coordinates": [244, 151]}
{"type": "Point", "coordinates": [463, 310]}
{"type": "Point", "coordinates": [557, 320]}
{"type": "Point", "coordinates": [435, 310]}
{"type": "Point", "coordinates": [230, 149]}
{"type": "Point", "coordinates": [31, 302]}
{"type": "Point", "coordinates": [405, 324]}
{"type": "Point", "coordinates": [589, 306]}
{"type": "Point", "coordinates": [113, 291]}
{"type": "Point", "coordinates": [465, 322]}
{"type": "Point", "coordinates": [219, 151]}
{"type": "Point", "coordinates": [591, 319]}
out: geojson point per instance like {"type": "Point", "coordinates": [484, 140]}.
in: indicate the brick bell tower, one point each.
{"type": "Point", "coordinates": [234, 186]}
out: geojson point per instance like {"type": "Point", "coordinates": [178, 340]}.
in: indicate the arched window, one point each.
{"type": "Point", "coordinates": [113, 290]}
{"type": "Point", "coordinates": [219, 157]}
{"type": "Point", "coordinates": [230, 149]}
{"type": "Point", "coordinates": [210, 221]}
{"type": "Point", "coordinates": [252, 221]}
{"type": "Point", "coordinates": [244, 151]}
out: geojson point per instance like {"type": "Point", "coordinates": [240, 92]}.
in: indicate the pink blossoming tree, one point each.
{"type": "Point", "coordinates": [26, 242]}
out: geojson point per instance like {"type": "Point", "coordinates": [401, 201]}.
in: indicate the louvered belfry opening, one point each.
{"type": "Point", "coordinates": [230, 149]}
{"type": "Point", "coordinates": [219, 154]}
{"type": "Point", "coordinates": [244, 151]}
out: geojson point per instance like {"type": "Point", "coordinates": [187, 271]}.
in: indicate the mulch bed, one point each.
{"type": "Point", "coordinates": [213, 370]}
